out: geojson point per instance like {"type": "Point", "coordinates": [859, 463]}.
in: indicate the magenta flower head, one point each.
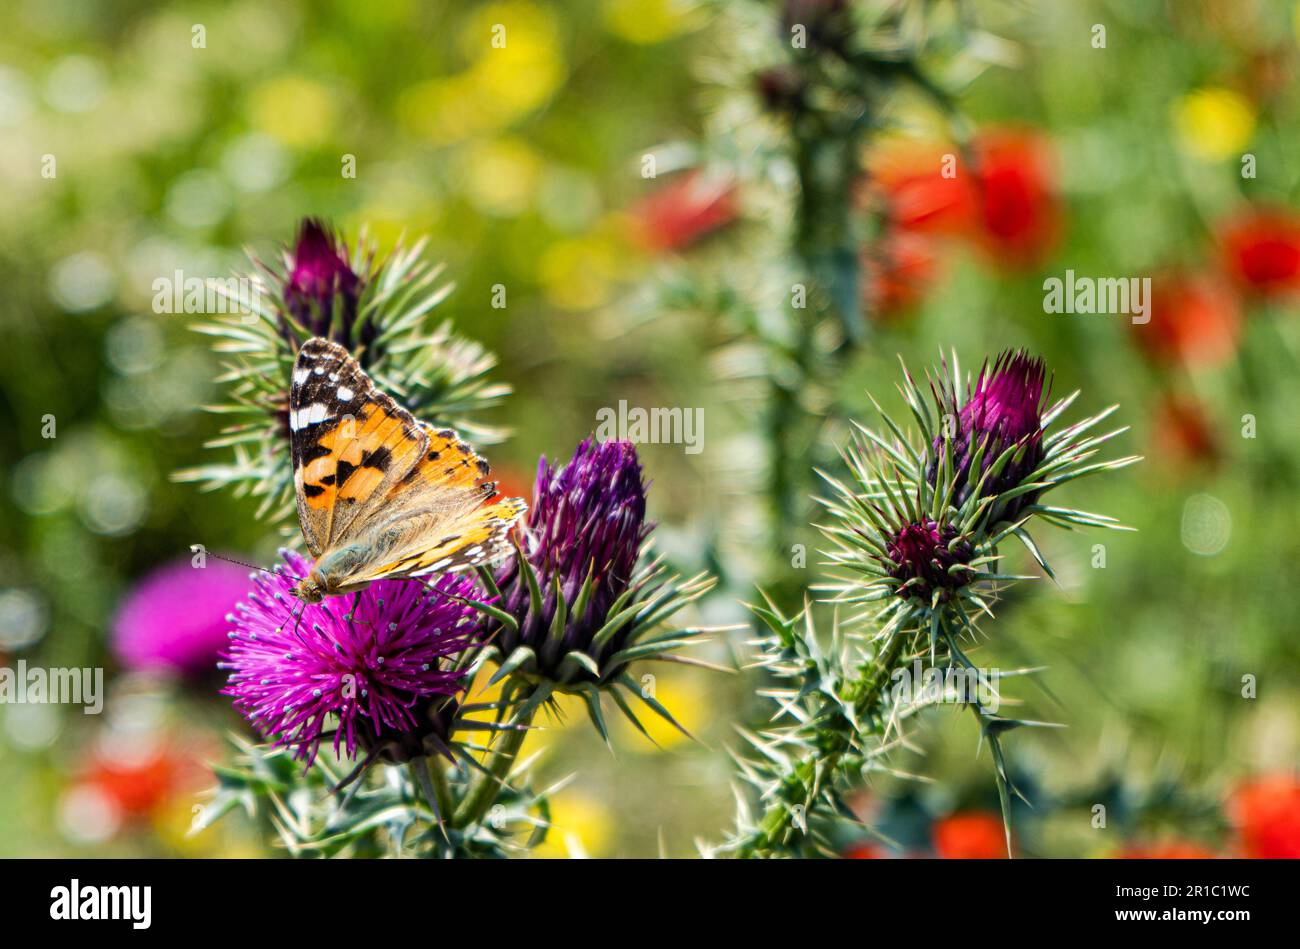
{"type": "Point", "coordinates": [922, 555]}
{"type": "Point", "coordinates": [584, 534]}
{"type": "Point", "coordinates": [174, 619]}
{"type": "Point", "coordinates": [371, 672]}
{"type": "Point", "coordinates": [321, 290]}
{"type": "Point", "coordinates": [1002, 412]}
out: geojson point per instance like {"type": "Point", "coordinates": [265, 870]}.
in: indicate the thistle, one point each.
{"type": "Point", "coordinates": [917, 534]}
{"type": "Point", "coordinates": [579, 598]}
{"type": "Point", "coordinates": [1002, 411]}
{"type": "Point", "coordinates": [378, 667]}
{"type": "Point", "coordinates": [377, 309]}
{"type": "Point", "coordinates": [320, 290]}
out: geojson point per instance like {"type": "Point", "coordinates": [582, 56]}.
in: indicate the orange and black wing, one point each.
{"type": "Point", "coordinates": [351, 444]}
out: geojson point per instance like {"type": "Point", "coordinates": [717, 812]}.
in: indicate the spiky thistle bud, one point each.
{"type": "Point", "coordinates": [376, 309]}
{"type": "Point", "coordinates": [578, 598]}
{"type": "Point", "coordinates": [321, 290]}
{"type": "Point", "coordinates": [916, 528]}
{"type": "Point", "coordinates": [922, 555]}
{"type": "Point", "coordinates": [920, 523]}
{"type": "Point", "coordinates": [1001, 412]}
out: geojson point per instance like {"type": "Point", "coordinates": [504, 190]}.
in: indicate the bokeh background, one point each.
{"type": "Point", "coordinates": [128, 152]}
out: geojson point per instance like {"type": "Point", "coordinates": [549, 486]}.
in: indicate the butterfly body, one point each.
{"type": "Point", "coordinates": [381, 494]}
{"type": "Point", "coordinates": [328, 577]}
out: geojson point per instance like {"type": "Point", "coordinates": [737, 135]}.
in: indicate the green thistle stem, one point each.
{"type": "Point", "coordinates": [800, 786]}
{"type": "Point", "coordinates": [505, 751]}
{"type": "Point", "coordinates": [827, 164]}
{"type": "Point", "coordinates": [441, 789]}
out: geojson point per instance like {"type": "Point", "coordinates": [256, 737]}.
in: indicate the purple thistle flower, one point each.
{"type": "Point", "coordinates": [321, 290]}
{"type": "Point", "coordinates": [920, 554]}
{"type": "Point", "coordinates": [1003, 410]}
{"type": "Point", "coordinates": [372, 670]}
{"type": "Point", "coordinates": [587, 519]}
{"type": "Point", "coordinates": [174, 619]}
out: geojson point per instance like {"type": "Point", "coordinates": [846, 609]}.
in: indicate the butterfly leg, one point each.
{"type": "Point", "coordinates": [295, 614]}
{"type": "Point", "coordinates": [351, 614]}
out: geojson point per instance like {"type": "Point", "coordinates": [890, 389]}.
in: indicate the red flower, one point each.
{"type": "Point", "coordinates": [1017, 208]}
{"type": "Point", "coordinates": [863, 852]}
{"type": "Point", "coordinates": [1195, 319]}
{"type": "Point", "coordinates": [1167, 850]}
{"type": "Point", "coordinates": [897, 272]}
{"type": "Point", "coordinates": [140, 776]}
{"type": "Point", "coordinates": [1181, 432]}
{"type": "Point", "coordinates": [683, 212]}
{"type": "Point", "coordinates": [909, 180]}
{"type": "Point", "coordinates": [971, 835]}
{"type": "Point", "coordinates": [1261, 250]}
{"type": "Point", "coordinates": [1266, 812]}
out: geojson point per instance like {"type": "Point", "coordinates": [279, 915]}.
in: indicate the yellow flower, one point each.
{"type": "Point", "coordinates": [501, 176]}
{"type": "Point", "coordinates": [517, 50]}
{"type": "Point", "coordinates": [648, 21]}
{"type": "Point", "coordinates": [683, 695]}
{"type": "Point", "coordinates": [578, 274]}
{"type": "Point", "coordinates": [515, 66]}
{"type": "Point", "coordinates": [580, 827]}
{"type": "Point", "coordinates": [296, 110]}
{"type": "Point", "coordinates": [1214, 123]}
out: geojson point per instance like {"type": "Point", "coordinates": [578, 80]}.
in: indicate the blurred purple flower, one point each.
{"type": "Point", "coordinates": [321, 290]}
{"type": "Point", "coordinates": [174, 619]}
{"type": "Point", "coordinates": [289, 674]}
{"type": "Point", "coordinates": [1003, 410]}
{"type": "Point", "coordinates": [587, 518]}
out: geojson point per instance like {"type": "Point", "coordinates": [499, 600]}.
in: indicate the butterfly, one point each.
{"type": "Point", "coordinates": [380, 493]}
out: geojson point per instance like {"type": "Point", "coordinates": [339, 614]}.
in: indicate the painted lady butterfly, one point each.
{"type": "Point", "coordinates": [380, 493]}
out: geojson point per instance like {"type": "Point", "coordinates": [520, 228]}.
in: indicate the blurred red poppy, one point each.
{"type": "Point", "coordinates": [1195, 319]}
{"type": "Point", "coordinates": [972, 835]}
{"type": "Point", "coordinates": [683, 212]}
{"type": "Point", "coordinates": [141, 783]}
{"type": "Point", "coordinates": [922, 187]}
{"type": "Point", "coordinates": [1181, 432]}
{"type": "Point", "coordinates": [1261, 250]}
{"type": "Point", "coordinates": [897, 272]}
{"type": "Point", "coordinates": [864, 852]}
{"type": "Point", "coordinates": [1017, 207]}
{"type": "Point", "coordinates": [1266, 812]}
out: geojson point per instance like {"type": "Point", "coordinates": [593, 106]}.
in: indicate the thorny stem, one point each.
{"type": "Point", "coordinates": [826, 162]}
{"type": "Point", "coordinates": [797, 790]}
{"type": "Point", "coordinates": [505, 750]}
{"type": "Point", "coordinates": [441, 790]}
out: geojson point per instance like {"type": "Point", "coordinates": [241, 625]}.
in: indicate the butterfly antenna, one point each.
{"type": "Point", "coordinates": [240, 563]}
{"type": "Point", "coordinates": [252, 566]}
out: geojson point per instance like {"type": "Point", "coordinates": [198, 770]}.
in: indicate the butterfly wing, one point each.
{"type": "Point", "coordinates": [351, 444]}
{"type": "Point", "coordinates": [440, 517]}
